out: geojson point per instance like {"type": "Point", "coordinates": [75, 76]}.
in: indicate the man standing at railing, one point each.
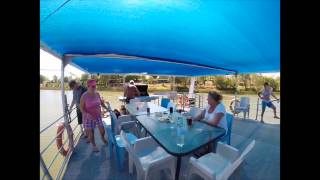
{"type": "Point", "coordinates": [266, 100]}
{"type": "Point", "coordinates": [78, 90]}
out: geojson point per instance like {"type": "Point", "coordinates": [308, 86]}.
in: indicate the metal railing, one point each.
{"type": "Point", "coordinates": [46, 167]}
{"type": "Point", "coordinates": [182, 100]}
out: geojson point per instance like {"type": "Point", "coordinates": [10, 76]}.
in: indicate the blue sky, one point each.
{"type": "Point", "coordinates": [50, 66]}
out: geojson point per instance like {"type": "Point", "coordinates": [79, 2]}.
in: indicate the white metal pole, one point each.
{"type": "Point", "coordinates": [191, 89]}
{"type": "Point", "coordinates": [235, 92]}
{"type": "Point", "coordinates": [64, 106]}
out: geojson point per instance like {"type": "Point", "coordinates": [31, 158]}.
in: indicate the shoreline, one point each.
{"type": "Point", "coordinates": [229, 92]}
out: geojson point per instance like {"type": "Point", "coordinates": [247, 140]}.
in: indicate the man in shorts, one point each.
{"type": "Point", "coordinates": [266, 93]}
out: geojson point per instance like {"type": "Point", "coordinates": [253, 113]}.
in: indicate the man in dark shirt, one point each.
{"type": "Point", "coordinates": [78, 90]}
{"type": "Point", "coordinates": [131, 91]}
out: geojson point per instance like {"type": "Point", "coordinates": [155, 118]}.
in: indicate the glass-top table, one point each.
{"type": "Point", "coordinates": [140, 108]}
{"type": "Point", "coordinates": [182, 140]}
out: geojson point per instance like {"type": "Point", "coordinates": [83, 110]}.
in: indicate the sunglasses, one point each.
{"type": "Point", "coordinates": [94, 86]}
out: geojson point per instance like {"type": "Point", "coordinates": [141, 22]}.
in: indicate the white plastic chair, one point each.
{"type": "Point", "coordinates": [244, 106]}
{"type": "Point", "coordinates": [147, 155]}
{"type": "Point", "coordinates": [121, 119]}
{"type": "Point", "coordinates": [134, 100]}
{"type": "Point", "coordinates": [220, 165]}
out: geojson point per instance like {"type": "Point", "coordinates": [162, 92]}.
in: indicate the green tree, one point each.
{"type": "Point", "coordinates": [43, 78]}
{"type": "Point", "coordinates": [246, 79]}
{"type": "Point", "coordinates": [131, 77]}
{"type": "Point", "coordinates": [55, 79]}
{"type": "Point", "coordinates": [66, 79]}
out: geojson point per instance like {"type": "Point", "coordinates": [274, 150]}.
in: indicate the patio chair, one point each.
{"type": "Point", "coordinates": [134, 100]}
{"type": "Point", "coordinates": [147, 155]}
{"type": "Point", "coordinates": [194, 112]}
{"type": "Point", "coordinates": [220, 165]}
{"type": "Point", "coordinates": [244, 106]}
{"type": "Point", "coordinates": [121, 119]}
{"type": "Point", "coordinates": [118, 144]}
{"type": "Point", "coordinates": [164, 102]}
{"type": "Point", "coordinates": [227, 137]}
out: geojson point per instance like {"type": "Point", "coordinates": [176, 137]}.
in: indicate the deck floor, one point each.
{"type": "Point", "coordinates": [262, 163]}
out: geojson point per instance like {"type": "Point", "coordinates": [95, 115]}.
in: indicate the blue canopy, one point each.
{"type": "Point", "coordinates": [164, 37]}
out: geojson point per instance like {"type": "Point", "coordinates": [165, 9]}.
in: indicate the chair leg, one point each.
{"type": "Point", "coordinates": [120, 157]}
{"type": "Point", "coordinates": [110, 149]}
{"type": "Point", "coordinates": [130, 165]}
{"type": "Point", "coordinates": [146, 175]}
{"type": "Point", "coordinates": [229, 139]}
{"type": "Point", "coordinates": [173, 169]}
{"type": "Point", "coordinates": [140, 175]}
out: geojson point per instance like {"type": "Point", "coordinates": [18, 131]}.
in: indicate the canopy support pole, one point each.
{"type": "Point", "coordinates": [64, 62]}
{"type": "Point", "coordinates": [192, 81]}
{"type": "Point", "coordinates": [235, 92]}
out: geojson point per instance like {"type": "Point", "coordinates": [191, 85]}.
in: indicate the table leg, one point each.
{"type": "Point", "coordinates": [178, 168]}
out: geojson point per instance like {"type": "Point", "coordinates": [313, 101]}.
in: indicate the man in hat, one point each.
{"type": "Point", "coordinates": [78, 90]}
{"type": "Point", "coordinates": [131, 91]}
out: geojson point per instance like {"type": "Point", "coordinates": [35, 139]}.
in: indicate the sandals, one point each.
{"type": "Point", "coordinates": [105, 142]}
{"type": "Point", "coordinates": [95, 149]}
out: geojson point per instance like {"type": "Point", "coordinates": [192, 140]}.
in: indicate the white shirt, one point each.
{"type": "Point", "coordinates": [266, 93]}
{"type": "Point", "coordinates": [219, 109]}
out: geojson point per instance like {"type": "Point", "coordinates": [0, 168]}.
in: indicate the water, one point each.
{"type": "Point", "coordinates": [51, 109]}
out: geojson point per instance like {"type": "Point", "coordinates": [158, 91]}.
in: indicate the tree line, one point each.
{"type": "Point", "coordinates": [248, 82]}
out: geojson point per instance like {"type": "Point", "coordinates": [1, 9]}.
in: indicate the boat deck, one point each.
{"type": "Point", "coordinates": [262, 163]}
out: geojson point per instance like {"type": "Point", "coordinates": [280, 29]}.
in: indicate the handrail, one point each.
{"type": "Point", "coordinates": [56, 155]}
{"type": "Point", "coordinates": [42, 163]}
{"type": "Point", "coordinates": [67, 159]}
{"type": "Point", "coordinates": [51, 142]}
{"type": "Point", "coordinates": [54, 122]}
{"type": "Point", "coordinates": [47, 147]}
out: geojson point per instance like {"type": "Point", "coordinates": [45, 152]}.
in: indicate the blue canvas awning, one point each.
{"type": "Point", "coordinates": [164, 37]}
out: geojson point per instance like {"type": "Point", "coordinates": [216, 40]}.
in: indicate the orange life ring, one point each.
{"type": "Point", "coordinates": [231, 106]}
{"type": "Point", "coordinates": [59, 143]}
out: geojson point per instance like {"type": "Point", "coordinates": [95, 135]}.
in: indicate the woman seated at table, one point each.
{"type": "Point", "coordinates": [214, 113]}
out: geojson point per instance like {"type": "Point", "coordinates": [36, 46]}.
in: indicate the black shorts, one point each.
{"type": "Point", "coordinates": [79, 115]}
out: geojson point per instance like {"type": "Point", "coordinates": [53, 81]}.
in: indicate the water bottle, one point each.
{"type": "Point", "coordinates": [180, 137]}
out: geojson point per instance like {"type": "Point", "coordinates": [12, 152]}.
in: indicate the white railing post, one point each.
{"type": "Point", "coordinates": [64, 105]}
{"type": "Point", "coordinates": [257, 108]}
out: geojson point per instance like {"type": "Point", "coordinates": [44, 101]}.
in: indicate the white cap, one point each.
{"type": "Point", "coordinates": [131, 82]}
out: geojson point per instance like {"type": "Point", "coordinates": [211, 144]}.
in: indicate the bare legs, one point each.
{"type": "Point", "coordinates": [102, 133]}
{"type": "Point", "coordinates": [275, 112]}
{"type": "Point", "coordinates": [90, 133]}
